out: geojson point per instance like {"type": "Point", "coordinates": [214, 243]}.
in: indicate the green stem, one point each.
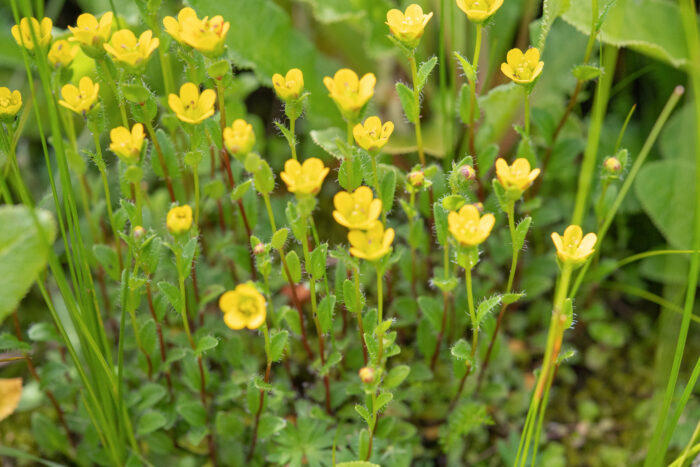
{"type": "Point", "coordinates": [195, 176]}
{"type": "Point", "coordinates": [472, 93]}
{"type": "Point", "coordinates": [117, 92]}
{"type": "Point", "coordinates": [360, 325]}
{"type": "Point", "coordinates": [416, 102]}
{"type": "Point", "coordinates": [527, 113]}
{"type": "Point", "coordinates": [292, 144]}
{"type": "Point", "coordinates": [380, 318]}
{"type": "Point", "coordinates": [472, 311]}
{"type": "Point", "coordinates": [139, 203]}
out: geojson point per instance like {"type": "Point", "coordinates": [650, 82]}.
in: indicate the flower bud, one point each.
{"type": "Point", "coordinates": [612, 166]}
{"type": "Point", "coordinates": [366, 374]}
{"type": "Point", "coordinates": [467, 172]}
{"type": "Point", "coordinates": [479, 206]}
{"type": "Point", "coordinates": [138, 232]}
{"type": "Point", "coordinates": [179, 219]}
{"type": "Point", "coordinates": [416, 178]}
{"type": "Point", "coordinates": [259, 248]}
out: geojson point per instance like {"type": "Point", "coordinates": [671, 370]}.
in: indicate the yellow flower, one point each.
{"type": "Point", "coordinates": [350, 93]}
{"type": "Point", "coordinates": [10, 394]}
{"type": "Point", "coordinates": [574, 248]}
{"type": "Point", "coordinates": [289, 87]}
{"type": "Point", "coordinates": [468, 227]}
{"type": "Point", "coordinates": [371, 244]}
{"type": "Point", "coordinates": [81, 99]}
{"type": "Point", "coordinates": [479, 10]}
{"type": "Point", "coordinates": [408, 27]}
{"type": "Point", "coordinates": [127, 145]}
{"type": "Point", "coordinates": [174, 27]}
{"type": "Point", "coordinates": [243, 307]}
{"type": "Point", "coordinates": [518, 176]}
{"type": "Point", "coordinates": [372, 135]}
{"type": "Point", "coordinates": [357, 210]}
{"type": "Point", "coordinates": [91, 34]}
{"type": "Point", "coordinates": [239, 137]}
{"type": "Point", "coordinates": [179, 219]}
{"type": "Point", "coordinates": [62, 53]}
{"type": "Point", "coordinates": [23, 32]}
{"type": "Point", "coordinates": [10, 102]}
{"type": "Point", "coordinates": [190, 106]}
{"type": "Point", "coordinates": [304, 178]}
{"type": "Point", "coordinates": [206, 35]}
{"type": "Point", "coordinates": [522, 68]}
{"type": "Point", "coordinates": [124, 48]}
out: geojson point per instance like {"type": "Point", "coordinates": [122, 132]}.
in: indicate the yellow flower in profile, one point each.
{"type": "Point", "coordinates": [239, 138]}
{"type": "Point", "coordinates": [574, 248]}
{"type": "Point", "coordinates": [350, 93]}
{"type": "Point", "coordinates": [517, 176]}
{"type": "Point", "coordinates": [522, 68]}
{"type": "Point", "coordinates": [10, 102]}
{"type": "Point", "coordinates": [174, 26]}
{"type": "Point", "coordinates": [468, 227]}
{"type": "Point", "coordinates": [81, 99]}
{"type": "Point", "coordinates": [62, 53]}
{"type": "Point", "coordinates": [479, 11]}
{"type": "Point", "coordinates": [372, 135]}
{"type": "Point", "coordinates": [125, 48]}
{"type": "Point", "coordinates": [179, 219]}
{"type": "Point", "coordinates": [127, 144]}
{"type": "Point", "coordinates": [243, 307]}
{"type": "Point", "coordinates": [371, 244]}
{"type": "Point", "coordinates": [23, 32]}
{"type": "Point", "coordinates": [190, 106]}
{"type": "Point", "coordinates": [408, 27]}
{"type": "Point", "coordinates": [306, 178]}
{"type": "Point", "coordinates": [206, 35]}
{"type": "Point", "coordinates": [289, 87]}
{"type": "Point", "coordinates": [91, 34]}
{"type": "Point", "coordinates": [357, 210]}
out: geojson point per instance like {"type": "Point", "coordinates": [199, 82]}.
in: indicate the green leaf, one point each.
{"type": "Point", "coordinates": [509, 298]}
{"type": "Point", "coordinates": [461, 350]}
{"type": "Point", "coordinates": [168, 149]}
{"type": "Point", "coordinates": [652, 27]}
{"type": "Point", "coordinates": [148, 336]}
{"type": "Point", "coordinates": [551, 10]}
{"type": "Point", "coordinates": [215, 189]}
{"type": "Point", "coordinates": [382, 400]}
{"type": "Point", "coordinates": [240, 190]}
{"type": "Point", "coordinates": [333, 359]}
{"type": "Point", "coordinates": [318, 261]}
{"type": "Point", "coordinates": [521, 232]}
{"type": "Point", "coordinates": [188, 253]}
{"type": "Point", "coordinates": [107, 258]}
{"type": "Point", "coordinates": [264, 178]}
{"type": "Point", "coordinates": [328, 140]}
{"type": "Point", "coordinates": [432, 310]}
{"type": "Point", "coordinates": [42, 332]}
{"type": "Point", "coordinates": [499, 107]}
{"type": "Point", "coordinates": [485, 307]}
{"type": "Point", "coordinates": [325, 312]}
{"type": "Point", "coordinates": [294, 266]}
{"type": "Point", "coordinates": [350, 174]}
{"type": "Point", "coordinates": [151, 394]}
{"type": "Point", "coordinates": [465, 105]}
{"type": "Point", "coordinates": [424, 72]}
{"type": "Point", "coordinates": [269, 425]}
{"type": "Point", "coordinates": [279, 238]}
{"type": "Point", "coordinates": [9, 343]}
{"type": "Point", "coordinates": [357, 464]}
{"type": "Point", "coordinates": [172, 293]}
{"type": "Point", "coordinates": [278, 342]}
{"type": "Point", "coordinates": [568, 312]}
{"type": "Point", "coordinates": [396, 376]}
{"type": "Point", "coordinates": [408, 102]}
{"type": "Point", "coordinates": [349, 297]}
{"type": "Point", "coordinates": [666, 190]}
{"type": "Point", "coordinates": [467, 68]}
{"type": "Point", "coordinates": [206, 343]}
{"type": "Point", "coordinates": [364, 413]}
{"type": "Point", "coordinates": [24, 252]}
{"type": "Point", "coordinates": [193, 412]}
{"type": "Point", "coordinates": [150, 422]}
{"type": "Point", "coordinates": [586, 72]}
{"type": "Point", "coordinates": [387, 190]}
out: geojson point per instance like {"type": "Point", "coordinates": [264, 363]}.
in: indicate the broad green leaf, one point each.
{"type": "Point", "coordinates": [9, 343]}
{"type": "Point", "coordinates": [24, 252]}
{"type": "Point", "coordinates": [206, 343]}
{"type": "Point", "coordinates": [334, 11]}
{"type": "Point", "coordinates": [43, 332]}
{"type": "Point", "coordinates": [317, 268]}
{"type": "Point", "coordinates": [269, 425]}
{"type": "Point", "coordinates": [440, 217]}
{"type": "Point", "coordinates": [240, 190]}
{"type": "Point", "coordinates": [382, 400]}
{"type": "Point", "coordinates": [499, 108]}
{"type": "Point", "coordinates": [278, 342]}
{"type": "Point", "coordinates": [424, 72]}
{"type": "Point", "coordinates": [325, 312]}
{"type": "Point", "coordinates": [150, 422]}
{"type": "Point", "coordinates": [586, 72]}
{"type": "Point", "coordinates": [333, 359]}
{"type": "Point", "coordinates": [328, 140]}
{"type": "Point", "coordinates": [461, 350]}
{"type": "Point", "coordinates": [193, 412]}
{"type": "Point", "coordinates": [652, 27]}
{"type": "Point", "coordinates": [666, 189]}
{"type": "Point", "coordinates": [294, 266]}
{"type": "Point", "coordinates": [388, 189]}
{"type": "Point", "coordinates": [509, 298]}
{"type": "Point", "coordinates": [467, 67]}
{"type": "Point", "coordinates": [279, 238]}
{"type": "Point", "coordinates": [432, 310]}
{"type": "Point", "coordinates": [172, 293]}
{"type": "Point", "coordinates": [408, 102]}
{"type": "Point", "coordinates": [148, 336]}
{"type": "Point", "coordinates": [350, 174]}
{"type": "Point", "coordinates": [551, 10]}
{"type": "Point", "coordinates": [396, 376]}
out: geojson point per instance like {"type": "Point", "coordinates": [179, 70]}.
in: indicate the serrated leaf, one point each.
{"type": "Point", "coordinates": [467, 68]}
{"type": "Point", "coordinates": [172, 294]}
{"type": "Point", "coordinates": [509, 298]}
{"type": "Point", "coordinates": [8, 342]}
{"type": "Point", "coordinates": [327, 139]}
{"type": "Point", "coordinates": [408, 102]}
{"type": "Point", "coordinates": [278, 342]}
{"type": "Point", "coordinates": [461, 350]}
{"type": "Point", "coordinates": [424, 72]}
{"type": "Point", "coordinates": [24, 252]}
{"type": "Point", "coordinates": [521, 232]}
{"type": "Point", "coordinates": [485, 307]}
{"type": "Point", "coordinates": [364, 413]}
{"type": "Point", "coordinates": [382, 400]}
{"type": "Point", "coordinates": [325, 312]}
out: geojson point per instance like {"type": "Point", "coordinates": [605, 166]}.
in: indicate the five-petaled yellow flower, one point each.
{"type": "Point", "coordinates": [517, 176]}
{"type": "Point", "coordinates": [371, 244]}
{"type": "Point", "coordinates": [468, 227]}
{"type": "Point", "coordinates": [23, 32]}
{"type": "Point", "coordinates": [125, 48]}
{"type": "Point", "coordinates": [62, 53]}
{"type": "Point", "coordinates": [479, 11]}
{"type": "Point", "coordinates": [10, 102]}
{"type": "Point", "coordinates": [408, 27]}
{"type": "Point", "coordinates": [573, 247]}
{"type": "Point", "coordinates": [81, 99]}
{"type": "Point", "coordinates": [127, 144]}
{"type": "Point", "coordinates": [306, 178]}
{"type": "Point", "coordinates": [179, 219]}
{"type": "Point", "coordinates": [206, 35]}
{"type": "Point", "coordinates": [92, 34]}
{"type": "Point", "coordinates": [357, 210]}
{"type": "Point", "coordinates": [522, 68]}
{"type": "Point", "coordinates": [239, 138]}
{"type": "Point", "coordinates": [289, 87]}
{"type": "Point", "coordinates": [243, 307]}
{"type": "Point", "coordinates": [350, 93]}
{"type": "Point", "coordinates": [372, 135]}
{"type": "Point", "coordinates": [190, 106]}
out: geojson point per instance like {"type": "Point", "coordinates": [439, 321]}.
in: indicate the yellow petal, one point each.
{"type": "Point", "coordinates": [532, 56]}
{"type": "Point", "coordinates": [514, 57]}
{"type": "Point", "coordinates": [10, 394]}
{"type": "Point", "coordinates": [255, 321]}
{"type": "Point", "coordinates": [234, 320]}
{"type": "Point", "coordinates": [228, 301]}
